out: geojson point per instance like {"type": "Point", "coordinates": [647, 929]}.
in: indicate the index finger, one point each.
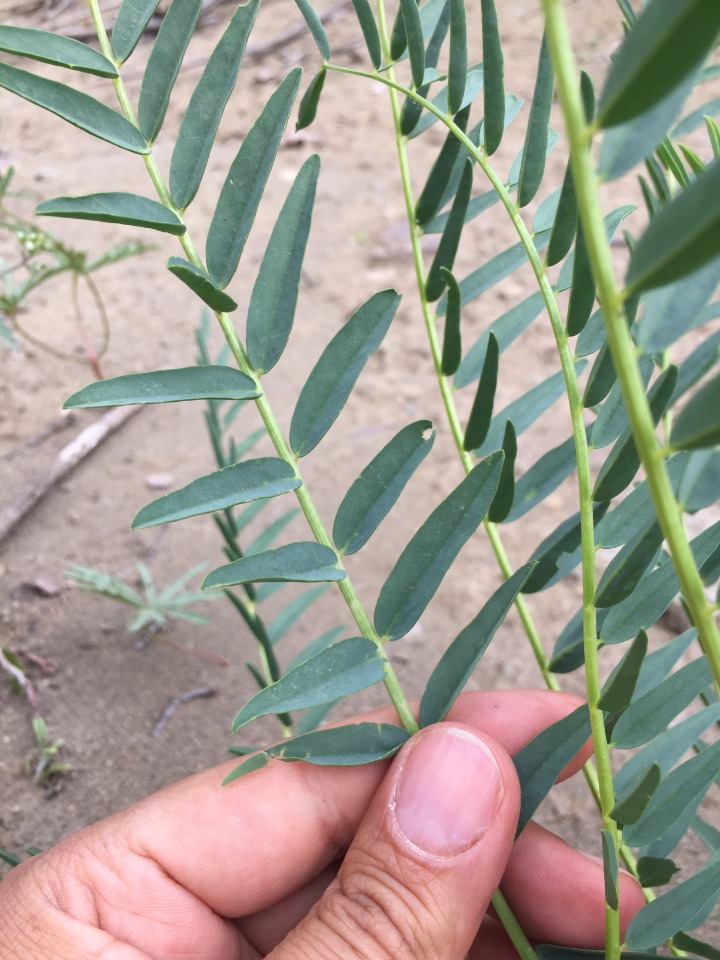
{"type": "Point", "coordinates": [243, 847]}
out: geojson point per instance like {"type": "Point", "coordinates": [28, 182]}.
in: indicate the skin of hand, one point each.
{"type": "Point", "coordinates": [397, 859]}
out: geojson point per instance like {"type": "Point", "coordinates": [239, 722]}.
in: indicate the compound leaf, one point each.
{"type": "Point", "coordinates": [339, 670]}
{"type": "Point", "coordinates": [334, 375]}
{"type": "Point", "coordinates": [167, 386]}
{"type": "Point", "coordinates": [541, 761]}
{"type": "Point", "coordinates": [274, 297]}
{"type": "Point", "coordinates": [53, 48]}
{"type": "Point", "coordinates": [428, 556]}
{"type": "Point", "coordinates": [666, 43]}
{"type": "Point", "coordinates": [201, 284]}
{"type": "Point", "coordinates": [243, 188]}
{"type": "Point", "coordinates": [536, 139]}
{"type": "Point", "coordinates": [207, 103]}
{"type": "Point", "coordinates": [77, 108]}
{"type": "Point", "coordinates": [373, 494]}
{"type": "Point", "coordinates": [648, 716]}
{"type": "Point", "coordinates": [126, 208]}
{"type": "Point", "coordinates": [164, 64]}
{"type": "Point", "coordinates": [461, 657]}
{"type": "Point", "coordinates": [239, 483]}
{"type": "Point", "coordinates": [303, 562]}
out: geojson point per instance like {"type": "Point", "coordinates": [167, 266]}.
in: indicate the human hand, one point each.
{"type": "Point", "coordinates": [205, 872]}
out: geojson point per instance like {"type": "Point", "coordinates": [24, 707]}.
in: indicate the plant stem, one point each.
{"type": "Point", "coordinates": [622, 347]}
{"type": "Point", "coordinates": [350, 595]}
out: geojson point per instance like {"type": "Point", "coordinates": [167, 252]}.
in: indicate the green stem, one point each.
{"type": "Point", "coordinates": [282, 447]}
{"type": "Point", "coordinates": [620, 340]}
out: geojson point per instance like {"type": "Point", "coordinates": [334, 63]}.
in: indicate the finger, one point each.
{"type": "Point", "coordinates": [418, 877]}
{"type": "Point", "coordinates": [223, 843]}
{"type": "Point", "coordinates": [558, 893]}
{"type": "Point", "coordinates": [492, 943]}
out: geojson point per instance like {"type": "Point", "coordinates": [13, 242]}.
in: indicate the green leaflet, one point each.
{"type": "Point", "coordinates": [558, 553]}
{"type": "Point", "coordinates": [349, 745]}
{"type": "Point", "coordinates": [524, 411]}
{"type": "Point", "coordinates": [411, 110]}
{"type": "Point", "coordinates": [707, 833]}
{"type": "Point", "coordinates": [683, 787]}
{"type": "Point", "coordinates": [682, 237]}
{"type": "Point", "coordinates": [432, 194]}
{"type": "Point", "coordinates": [655, 593]}
{"type": "Point", "coordinates": [126, 208]}
{"type": "Point", "coordinates": [655, 871]}
{"type": "Point", "coordinates": [201, 284]}
{"type": "Point", "coordinates": [304, 562]}
{"type": "Point", "coordinates": [257, 627]}
{"type": "Point", "coordinates": [700, 479]}
{"type": "Point", "coordinates": [316, 27]}
{"type": "Point", "coordinates": [620, 687]}
{"type": "Point", "coordinates": [544, 476]}
{"type": "Point", "coordinates": [52, 48]}
{"type": "Point", "coordinates": [714, 135]}
{"type": "Point", "coordinates": [569, 653]}
{"type": "Point", "coordinates": [696, 118]}
{"type": "Point", "coordinates": [626, 145]}
{"type": "Point", "coordinates": [698, 425]}
{"type": "Point", "coordinates": [611, 221]}
{"type": "Point", "coordinates": [683, 941]}
{"type": "Point", "coordinates": [658, 664]}
{"type": "Point", "coordinates": [310, 100]}
{"type": "Point", "coordinates": [250, 765]}
{"type": "Point", "coordinates": [452, 338]}
{"type": "Point", "coordinates": [366, 19]}
{"type": "Point", "coordinates": [77, 108]}
{"type": "Point", "coordinates": [266, 538]}
{"type": "Point", "coordinates": [673, 310]}
{"type": "Point", "coordinates": [373, 494]}
{"type": "Point", "coordinates": [458, 58]}
{"type": "Point", "coordinates": [166, 386]}
{"type": "Point", "coordinates": [610, 869]}
{"type": "Point", "coordinates": [274, 297]}
{"type": "Point", "coordinates": [338, 671]}
{"type": "Point", "coordinates": [612, 419]}
{"type": "Point", "coordinates": [626, 569]}
{"type": "Point", "coordinates": [164, 64]}
{"type": "Point", "coordinates": [630, 808]}
{"type": "Point", "coordinates": [492, 272]}
{"type": "Point", "coordinates": [633, 514]}
{"type": "Point", "coordinates": [133, 16]}
{"type": "Point", "coordinates": [316, 646]}
{"type": "Point", "coordinates": [667, 42]}
{"type": "Point", "coordinates": [239, 483]}
{"type": "Point", "coordinates": [548, 952]}
{"type": "Point", "coordinates": [243, 188]}
{"type": "Point", "coordinates": [481, 412]}
{"type": "Point", "coordinates": [334, 375]}
{"type": "Point", "coordinates": [428, 556]}
{"type": "Point", "coordinates": [602, 378]}
{"type": "Point", "coordinates": [623, 461]}
{"type": "Point", "coordinates": [202, 117]}
{"type": "Point", "coordinates": [462, 656]}
{"type": "Point", "coordinates": [545, 214]}
{"type": "Point", "coordinates": [312, 718]}
{"type": "Point", "coordinates": [506, 329]}
{"type": "Point", "coordinates": [675, 909]}
{"type": "Point", "coordinates": [541, 761]}
{"type": "Point", "coordinates": [415, 39]}
{"type": "Point", "coordinates": [648, 716]}
{"type": "Point", "coordinates": [494, 66]}
{"type": "Point", "coordinates": [566, 221]}
{"type": "Point", "coordinates": [291, 612]}
{"type": "Point", "coordinates": [503, 499]}
{"type": "Point", "coordinates": [534, 151]}
{"type": "Point", "coordinates": [582, 288]}
{"type": "Point", "coordinates": [447, 248]}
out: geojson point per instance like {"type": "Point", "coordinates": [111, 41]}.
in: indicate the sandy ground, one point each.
{"type": "Point", "coordinates": [102, 694]}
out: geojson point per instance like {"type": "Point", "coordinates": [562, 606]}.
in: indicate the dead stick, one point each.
{"type": "Point", "coordinates": [66, 461]}
{"type": "Point", "coordinates": [178, 702]}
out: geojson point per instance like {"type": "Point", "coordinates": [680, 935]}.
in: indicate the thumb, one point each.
{"type": "Point", "coordinates": [430, 853]}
